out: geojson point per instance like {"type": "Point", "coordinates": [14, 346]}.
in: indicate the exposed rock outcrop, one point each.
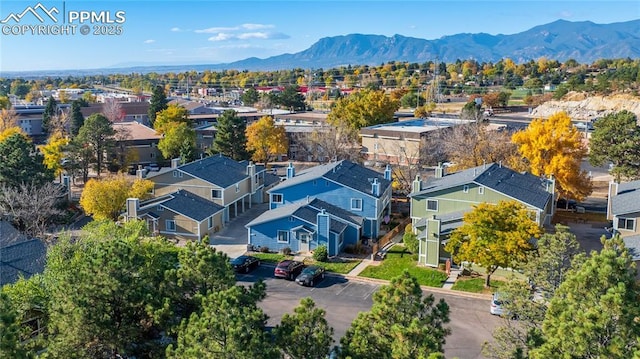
{"type": "Point", "coordinates": [582, 107]}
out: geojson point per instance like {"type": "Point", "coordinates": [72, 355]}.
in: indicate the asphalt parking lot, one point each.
{"type": "Point", "coordinates": [471, 324]}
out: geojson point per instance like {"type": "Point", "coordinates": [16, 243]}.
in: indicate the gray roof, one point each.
{"type": "Point", "coordinates": [627, 199]}
{"type": "Point", "coordinates": [192, 206]}
{"type": "Point", "coordinates": [19, 255]}
{"type": "Point", "coordinates": [524, 187]}
{"type": "Point", "coordinates": [270, 178]}
{"type": "Point", "coordinates": [632, 243]}
{"type": "Point", "coordinates": [219, 170]}
{"type": "Point", "coordinates": [344, 172]}
{"type": "Point", "coordinates": [337, 211]}
{"type": "Point", "coordinates": [305, 212]}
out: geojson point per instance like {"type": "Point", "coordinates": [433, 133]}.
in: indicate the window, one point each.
{"type": "Point", "coordinates": [626, 223]}
{"type": "Point", "coordinates": [216, 194]}
{"type": "Point", "coordinates": [283, 237]}
{"type": "Point", "coordinates": [291, 219]}
{"type": "Point", "coordinates": [210, 222]}
{"type": "Point", "coordinates": [465, 188]}
{"type": "Point", "coordinates": [326, 183]}
{"type": "Point", "coordinates": [432, 205]}
{"type": "Point", "coordinates": [480, 190]}
{"type": "Point", "coordinates": [170, 224]}
{"type": "Point", "coordinates": [160, 208]}
{"type": "Point", "coordinates": [315, 182]}
{"type": "Point", "coordinates": [180, 174]}
{"type": "Point", "coordinates": [356, 204]}
{"type": "Point", "coordinates": [276, 198]}
{"type": "Point", "coordinates": [175, 173]}
{"type": "Point", "coordinates": [237, 187]}
{"type": "Point", "coordinates": [151, 155]}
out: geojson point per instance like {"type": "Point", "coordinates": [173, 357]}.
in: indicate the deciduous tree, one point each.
{"type": "Point", "coordinates": [594, 312]}
{"type": "Point", "coordinates": [616, 139]}
{"type": "Point", "coordinates": [176, 139]}
{"type": "Point", "coordinates": [363, 108]}
{"type": "Point", "coordinates": [97, 132]}
{"type": "Point", "coordinates": [554, 147]}
{"type": "Point", "coordinates": [304, 334]}
{"type": "Point", "coordinates": [53, 152]}
{"type": "Point", "coordinates": [265, 140]}
{"type": "Point", "coordinates": [170, 117]}
{"type": "Point", "coordinates": [8, 118]}
{"type": "Point", "coordinates": [158, 103]}
{"type": "Point", "coordinates": [32, 206]}
{"type": "Point", "coordinates": [112, 110]}
{"type": "Point", "coordinates": [231, 139]}
{"type": "Point", "coordinates": [494, 236]}
{"type": "Point", "coordinates": [105, 198]}
{"type": "Point", "coordinates": [327, 143]}
{"type": "Point", "coordinates": [401, 324]}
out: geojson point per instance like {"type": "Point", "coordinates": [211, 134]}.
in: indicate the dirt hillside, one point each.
{"type": "Point", "coordinates": [579, 106]}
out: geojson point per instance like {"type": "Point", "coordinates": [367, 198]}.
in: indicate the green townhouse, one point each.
{"type": "Point", "coordinates": [439, 204]}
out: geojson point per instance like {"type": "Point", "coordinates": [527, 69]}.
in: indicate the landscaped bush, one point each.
{"type": "Point", "coordinates": [264, 249]}
{"type": "Point", "coordinates": [286, 251]}
{"type": "Point", "coordinates": [321, 254]}
{"type": "Point", "coordinates": [410, 240]}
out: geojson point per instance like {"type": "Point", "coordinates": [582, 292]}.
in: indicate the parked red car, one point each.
{"type": "Point", "coordinates": [288, 269]}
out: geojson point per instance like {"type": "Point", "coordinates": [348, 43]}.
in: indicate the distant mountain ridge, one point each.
{"type": "Point", "coordinates": [560, 40]}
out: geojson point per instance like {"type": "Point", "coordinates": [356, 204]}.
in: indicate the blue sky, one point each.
{"type": "Point", "coordinates": [202, 32]}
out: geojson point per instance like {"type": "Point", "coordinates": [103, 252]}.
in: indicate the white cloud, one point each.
{"type": "Point", "coordinates": [176, 29]}
{"type": "Point", "coordinates": [150, 41]}
{"type": "Point", "coordinates": [213, 30]}
{"type": "Point", "coordinates": [222, 36]}
{"type": "Point", "coordinates": [566, 14]}
{"type": "Point", "coordinates": [253, 35]}
{"type": "Point", "coordinates": [256, 26]}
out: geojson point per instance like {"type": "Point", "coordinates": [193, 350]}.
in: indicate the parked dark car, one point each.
{"type": "Point", "coordinates": [562, 204]}
{"type": "Point", "coordinates": [310, 276]}
{"type": "Point", "coordinates": [288, 269]}
{"type": "Point", "coordinates": [153, 167]}
{"type": "Point", "coordinates": [245, 264]}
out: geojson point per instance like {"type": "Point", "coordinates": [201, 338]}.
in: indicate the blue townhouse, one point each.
{"type": "Point", "coordinates": [343, 184]}
{"type": "Point", "coordinates": [305, 225]}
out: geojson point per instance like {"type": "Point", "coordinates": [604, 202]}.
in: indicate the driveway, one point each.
{"type": "Point", "coordinates": [232, 239]}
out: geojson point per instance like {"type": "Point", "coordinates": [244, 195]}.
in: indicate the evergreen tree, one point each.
{"type": "Point", "coordinates": [401, 324]}
{"type": "Point", "coordinates": [97, 132]}
{"type": "Point", "coordinates": [21, 163]}
{"type": "Point", "coordinates": [305, 334]}
{"type": "Point", "coordinates": [250, 97]}
{"type": "Point", "coordinates": [10, 341]}
{"type": "Point", "coordinates": [594, 312]}
{"type": "Point", "coordinates": [49, 111]}
{"type": "Point", "coordinates": [616, 139]}
{"type": "Point", "coordinates": [157, 104]}
{"type": "Point", "coordinates": [231, 137]}
{"type": "Point", "coordinates": [77, 119]}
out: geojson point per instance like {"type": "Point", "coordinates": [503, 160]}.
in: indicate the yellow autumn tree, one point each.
{"type": "Point", "coordinates": [12, 131]}
{"type": "Point", "coordinates": [554, 147]}
{"type": "Point", "coordinates": [52, 152]}
{"type": "Point", "coordinates": [265, 140]}
{"type": "Point", "coordinates": [106, 198]}
{"type": "Point", "coordinates": [494, 236]}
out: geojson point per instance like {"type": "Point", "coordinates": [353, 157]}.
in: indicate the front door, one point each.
{"type": "Point", "coordinates": [304, 239]}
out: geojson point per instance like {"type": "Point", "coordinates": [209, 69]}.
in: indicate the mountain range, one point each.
{"type": "Point", "coordinates": [561, 40]}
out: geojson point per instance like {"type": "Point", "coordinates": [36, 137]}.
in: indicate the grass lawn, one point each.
{"type": "Point", "coordinates": [271, 257]}
{"type": "Point", "coordinates": [396, 261]}
{"type": "Point", "coordinates": [476, 285]}
{"type": "Point", "coordinates": [335, 267]}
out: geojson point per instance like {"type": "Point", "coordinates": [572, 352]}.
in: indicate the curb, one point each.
{"type": "Point", "coordinates": [425, 288]}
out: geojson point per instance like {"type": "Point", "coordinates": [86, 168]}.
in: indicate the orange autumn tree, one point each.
{"type": "Point", "coordinates": [106, 198]}
{"type": "Point", "coordinates": [266, 140]}
{"type": "Point", "coordinates": [554, 147]}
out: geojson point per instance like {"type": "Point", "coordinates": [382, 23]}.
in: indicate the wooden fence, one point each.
{"type": "Point", "coordinates": [389, 236]}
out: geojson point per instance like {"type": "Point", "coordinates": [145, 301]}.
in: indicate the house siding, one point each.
{"type": "Point", "coordinates": [266, 234]}
{"type": "Point", "coordinates": [626, 232]}
{"type": "Point", "coordinates": [340, 196]}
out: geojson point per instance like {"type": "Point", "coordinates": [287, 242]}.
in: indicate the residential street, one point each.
{"type": "Point", "coordinates": [471, 324]}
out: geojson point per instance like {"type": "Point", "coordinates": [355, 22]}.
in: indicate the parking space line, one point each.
{"type": "Point", "coordinates": [373, 289]}
{"type": "Point", "coordinates": [341, 290]}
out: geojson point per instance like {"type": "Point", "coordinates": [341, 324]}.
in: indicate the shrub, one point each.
{"type": "Point", "coordinates": [410, 240]}
{"type": "Point", "coordinates": [264, 249]}
{"type": "Point", "coordinates": [286, 251]}
{"type": "Point", "coordinates": [321, 254]}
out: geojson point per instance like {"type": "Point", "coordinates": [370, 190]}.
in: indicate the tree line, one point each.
{"type": "Point", "coordinates": [116, 292]}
